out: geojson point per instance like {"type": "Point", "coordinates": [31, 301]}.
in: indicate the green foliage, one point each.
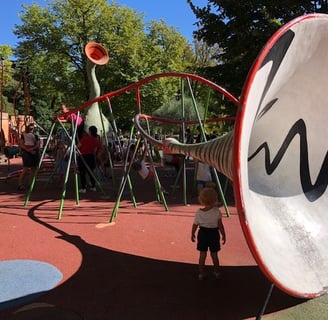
{"type": "Point", "coordinates": [51, 46]}
{"type": "Point", "coordinates": [196, 102]}
{"type": "Point", "coordinates": [6, 80]}
{"type": "Point", "coordinates": [172, 110]}
{"type": "Point", "coordinates": [240, 29]}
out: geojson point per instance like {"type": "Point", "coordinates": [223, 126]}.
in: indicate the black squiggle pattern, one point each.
{"type": "Point", "coordinates": [276, 56]}
{"type": "Point", "coordinates": [311, 191]}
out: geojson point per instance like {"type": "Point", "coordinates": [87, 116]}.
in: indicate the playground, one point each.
{"type": "Point", "coordinates": [142, 267]}
{"type": "Point", "coordinates": [121, 248]}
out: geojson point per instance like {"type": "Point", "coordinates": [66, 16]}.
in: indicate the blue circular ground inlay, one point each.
{"type": "Point", "coordinates": [23, 281]}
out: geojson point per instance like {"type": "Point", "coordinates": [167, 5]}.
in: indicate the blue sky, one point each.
{"type": "Point", "coordinates": [176, 13]}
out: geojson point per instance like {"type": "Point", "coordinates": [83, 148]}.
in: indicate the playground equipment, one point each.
{"type": "Point", "coordinates": [139, 117]}
{"type": "Point", "coordinates": [153, 141]}
{"type": "Point", "coordinates": [126, 178]}
{"type": "Point", "coordinates": [97, 55]}
{"type": "Point", "coordinates": [277, 149]}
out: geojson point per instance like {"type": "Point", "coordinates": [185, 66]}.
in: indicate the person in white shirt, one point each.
{"type": "Point", "coordinates": [203, 175]}
{"type": "Point", "coordinates": [144, 172]}
{"type": "Point", "coordinates": [29, 146]}
{"type": "Point", "coordinates": [208, 221]}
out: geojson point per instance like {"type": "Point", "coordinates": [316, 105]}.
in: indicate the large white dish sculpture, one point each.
{"type": "Point", "coordinates": [277, 157]}
{"type": "Point", "coordinates": [280, 157]}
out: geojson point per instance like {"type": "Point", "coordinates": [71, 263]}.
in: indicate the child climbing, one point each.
{"type": "Point", "coordinates": [139, 165]}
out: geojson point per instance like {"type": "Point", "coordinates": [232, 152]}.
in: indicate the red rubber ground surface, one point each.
{"type": "Point", "coordinates": [142, 267]}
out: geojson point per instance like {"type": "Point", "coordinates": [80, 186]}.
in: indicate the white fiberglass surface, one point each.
{"type": "Point", "coordinates": [283, 160]}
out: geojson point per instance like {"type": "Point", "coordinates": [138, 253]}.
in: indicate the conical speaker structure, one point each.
{"type": "Point", "coordinates": [97, 56]}
{"type": "Point", "coordinates": [96, 53]}
{"type": "Point", "coordinates": [279, 162]}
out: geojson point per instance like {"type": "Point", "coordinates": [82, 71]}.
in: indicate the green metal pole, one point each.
{"type": "Point", "coordinates": [61, 206]}
{"type": "Point", "coordinates": [184, 176]}
{"type": "Point", "coordinates": [125, 178]}
{"type": "Point", "coordinates": [120, 193]}
{"type": "Point", "coordinates": [72, 151]}
{"type": "Point", "coordinates": [114, 126]}
{"type": "Point", "coordinates": [158, 186]}
{"type": "Point", "coordinates": [205, 139]}
{"type": "Point", "coordinates": [131, 161]}
{"type": "Point", "coordinates": [177, 179]}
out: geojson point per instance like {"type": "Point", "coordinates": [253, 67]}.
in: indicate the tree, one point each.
{"type": "Point", "coordinates": [240, 29]}
{"type": "Point", "coordinates": [7, 82]}
{"type": "Point", "coordinates": [52, 42]}
{"type": "Point", "coordinates": [172, 110]}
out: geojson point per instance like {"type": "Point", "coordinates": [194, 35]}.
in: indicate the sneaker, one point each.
{"type": "Point", "coordinates": [217, 275]}
{"type": "Point", "coordinates": [93, 189]}
{"type": "Point", "coordinates": [82, 190]}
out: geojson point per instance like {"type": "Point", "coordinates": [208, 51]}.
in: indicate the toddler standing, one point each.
{"type": "Point", "coordinates": [208, 221]}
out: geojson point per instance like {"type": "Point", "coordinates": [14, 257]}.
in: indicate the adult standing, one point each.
{"type": "Point", "coordinates": [89, 146]}
{"type": "Point", "coordinates": [29, 146]}
{"type": "Point", "coordinates": [189, 136]}
{"type": "Point", "coordinates": [203, 175]}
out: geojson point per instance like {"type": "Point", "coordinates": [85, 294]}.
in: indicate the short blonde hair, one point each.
{"type": "Point", "coordinates": [208, 197]}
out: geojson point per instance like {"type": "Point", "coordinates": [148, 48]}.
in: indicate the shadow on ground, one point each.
{"type": "Point", "coordinates": [113, 285]}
